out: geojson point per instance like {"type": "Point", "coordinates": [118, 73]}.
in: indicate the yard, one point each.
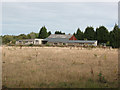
{"type": "Point", "coordinates": [59, 67]}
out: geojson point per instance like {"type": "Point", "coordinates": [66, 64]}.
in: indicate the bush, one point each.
{"type": "Point", "coordinates": [47, 44]}
{"type": "Point", "coordinates": [11, 44]}
{"type": "Point", "coordinates": [30, 44]}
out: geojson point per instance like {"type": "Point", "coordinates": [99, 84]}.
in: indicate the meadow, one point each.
{"type": "Point", "coordinates": [59, 67]}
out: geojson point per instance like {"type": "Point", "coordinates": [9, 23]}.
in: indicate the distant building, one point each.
{"type": "Point", "coordinates": [29, 41]}
{"type": "Point", "coordinates": [58, 39]}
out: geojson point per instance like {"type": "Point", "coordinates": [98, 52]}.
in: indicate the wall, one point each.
{"type": "Point", "coordinates": [39, 41]}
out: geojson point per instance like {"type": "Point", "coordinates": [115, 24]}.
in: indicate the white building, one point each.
{"type": "Point", "coordinates": [29, 41]}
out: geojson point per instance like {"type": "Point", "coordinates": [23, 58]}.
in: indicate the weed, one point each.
{"type": "Point", "coordinates": [8, 48]}
{"type": "Point", "coordinates": [90, 80]}
{"type": "Point", "coordinates": [74, 62]}
{"type": "Point", "coordinates": [36, 55]}
{"type": "Point", "coordinates": [95, 55]}
{"type": "Point", "coordinates": [47, 44]}
{"type": "Point", "coordinates": [101, 78]}
{"type": "Point", "coordinates": [4, 87]}
{"type": "Point", "coordinates": [21, 46]}
{"type": "Point", "coordinates": [77, 63]}
{"type": "Point", "coordinates": [30, 44]}
{"type": "Point", "coordinates": [64, 84]}
{"type": "Point", "coordinates": [99, 63]}
{"type": "Point", "coordinates": [92, 72]}
{"type": "Point", "coordinates": [32, 71]}
{"type": "Point", "coordinates": [29, 58]}
{"type": "Point", "coordinates": [4, 54]}
{"type": "Point", "coordinates": [42, 84]}
{"type": "Point", "coordinates": [14, 48]}
{"type": "Point", "coordinates": [105, 57]}
{"type": "Point", "coordinates": [89, 48]}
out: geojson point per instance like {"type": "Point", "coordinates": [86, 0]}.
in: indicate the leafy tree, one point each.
{"type": "Point", "coordinates": [43, 33]}
{"type": "Point", "coordinates": [102, 34]}
{"type": "Point", "coordinates": [22, 36]}
{"type": "Point", "coordinates": [79, 34]}
{"type": "Point", "coordinates": [32, 35]}
{"type": "Point", "coordinates": [89, 33]}
{"type": "Point", "coordinates": [7, 39]}
{"type": "Point", "coordinates": [59, 32]}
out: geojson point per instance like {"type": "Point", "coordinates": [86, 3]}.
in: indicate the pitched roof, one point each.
{"type": "Point", "coordinates": [60, 36]}
{"type": "Point", "coordinates": [55, 38]}
{"type": "Point", "coordinates": [65, 40]}
{"type": "Point", "coordinates": [27, 40]}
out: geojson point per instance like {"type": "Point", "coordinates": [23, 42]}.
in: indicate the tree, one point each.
{"type": "Point", "coordinates": [43, 33]}
{"type": "Point", "coordinates": [49, 33]}
{"type": "Point", "coordinates": [102, 34]}
{"type": "Point", "coordinates": [6, 39]}
{"type": "Point", "coordinates": [74, 34]}
{"type": "Point", "coordinates": [59, 32]}
{"type": "Point", "coordinates": [115, 37]}
{"type": "Point", "coordinates": [89, 33]}
{"type": "Point", "coordinates": [79, 34]}
{"type": "Point", "coordinates": [32, 35]}
{"type": "Point", "coordinates": [22, 36]}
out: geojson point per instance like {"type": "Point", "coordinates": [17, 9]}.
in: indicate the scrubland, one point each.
{"type": "Point", "coordinates": [59, 67]}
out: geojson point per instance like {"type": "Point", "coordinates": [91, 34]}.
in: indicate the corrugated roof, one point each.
{"type": "Point", "coordinates": [65, 40]}
{"type": "Point", "coordinates": [82, 41]}
{"type": "Point", "coordinates": [60, 36]}
{"type": "Point", "coordinates": [27, 40]}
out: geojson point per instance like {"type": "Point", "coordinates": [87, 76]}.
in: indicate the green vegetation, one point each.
{"type": "Point", "coordinates": [79, 34]}
{"type": "Point", "coordinates": [89, 33]}
{"type": "Point", "coordinates": [78, 84]}
{"type": "Point", "coordinates": [47, 44]}
{"type": "Point", "coordinates": [43, 33]}
{"type": "Point", "coordinates": [30, 44]}
{"type": "Point", "coordinates": [101, 34]}
{"type": "Point", "coordinates": [59, 32]}
{"type": "Point", "coordinates": [95, 55]}
{"type": "Point", "coordinates": [101, 78]}
{"type": "Point", "coordinates": [115, 37]}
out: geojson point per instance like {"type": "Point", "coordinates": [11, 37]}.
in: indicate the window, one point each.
{"type": "Point", "coordinates": [26, 41]}
{"type": "Point", "coordinates": [64, 43]}
{"type": "Point", "coordinates": [55, 43]}
{"type": "Point", "coordinates": [36, 40]}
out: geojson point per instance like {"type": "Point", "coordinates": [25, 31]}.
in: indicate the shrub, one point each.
{"type": "Point", "coordinates": [47, 44]}
{"type": "Point", "coordinates": [101, 78]}
{"type": "Point", "coordinates": [30, 44]}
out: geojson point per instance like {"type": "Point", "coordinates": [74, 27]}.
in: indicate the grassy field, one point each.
{"type": "Point", "coordinates": [59, 67]}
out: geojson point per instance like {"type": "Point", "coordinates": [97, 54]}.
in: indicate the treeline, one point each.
{"type": "Point", "coordinates": [101, 34]}
{"type": "Point", "coordinates": [7, 39]}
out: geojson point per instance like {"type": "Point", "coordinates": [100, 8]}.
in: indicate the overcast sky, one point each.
{"type": "Point", "coordinates": [29, 17]}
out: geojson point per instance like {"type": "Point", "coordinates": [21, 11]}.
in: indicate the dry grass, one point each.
{"type": "Point", "coordinates": [58, 67]}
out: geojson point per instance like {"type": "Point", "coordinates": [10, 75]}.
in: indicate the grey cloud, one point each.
{"type": "Point", "coordinates": [66, 17]}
